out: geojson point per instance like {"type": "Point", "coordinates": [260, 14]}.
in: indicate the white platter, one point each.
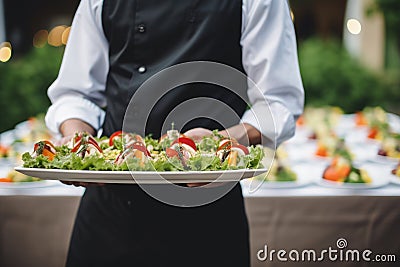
{"type": "Point", "coordinates": [143, 177]}
{"type": "Point", "coordinates": [380, 175]}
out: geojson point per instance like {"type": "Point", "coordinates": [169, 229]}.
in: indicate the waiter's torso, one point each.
{"type": "Point", "coordinates": [147, 36]}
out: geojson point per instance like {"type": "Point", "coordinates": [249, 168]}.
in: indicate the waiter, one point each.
{"type": "Point", "coordinates": [113, 48]}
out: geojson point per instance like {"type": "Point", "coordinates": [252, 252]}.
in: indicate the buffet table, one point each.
{"type": "Point", "coordinates": [36, 223]}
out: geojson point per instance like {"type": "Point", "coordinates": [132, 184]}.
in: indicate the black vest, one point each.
{"type": "Point", "coordinates": [147, 36]}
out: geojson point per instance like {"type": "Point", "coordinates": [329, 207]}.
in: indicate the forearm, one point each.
{"type": "Point", "coordinates": [244, 133]}
{"type": "Point", "coordinates": [71, 126]}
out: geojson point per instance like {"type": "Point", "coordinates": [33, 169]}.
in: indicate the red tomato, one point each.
{"type": "Point", "coordinates": [186, 141]}
{"type": "Point", "coordinates": [141, 147]}
{"type": "Point", "coordinates": [117, 133]}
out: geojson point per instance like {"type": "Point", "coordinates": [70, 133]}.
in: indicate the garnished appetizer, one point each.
{"type": "Point", "coordinates": [232, 152]}
{"type": "Point", "coordinates": [134, 149]}
{"type": "Point", "coordinates": [128, 151]}
{"type": "Point", "coordinates": [342, 170]}
{"type": "Point", "coordinates": [45, 148]}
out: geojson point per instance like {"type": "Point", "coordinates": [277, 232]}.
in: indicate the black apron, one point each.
{"type": "Point", "coordinates": [120, 225]}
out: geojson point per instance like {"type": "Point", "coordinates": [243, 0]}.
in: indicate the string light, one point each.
{"type": "Point", "coordinates": [55, 36]}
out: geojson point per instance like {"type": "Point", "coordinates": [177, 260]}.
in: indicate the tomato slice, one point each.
{"type": "Point", "coordinates": [141, 147]}
{"type": "Point", "coordinates": [77, 146]}
{"type": "Point", "coordinates": [225, 144]}
{"type": "Point", "coordinates": [116, 134]}
{"type": "Point", "coordinates": [187, 141]}
{"type": "Point", "coordinates": [95, 144]}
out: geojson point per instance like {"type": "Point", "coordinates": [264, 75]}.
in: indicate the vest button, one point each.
{"type": "Point", "coordinates": [141, 28]}
{"type": "Point", "coordinates": [142, 69]}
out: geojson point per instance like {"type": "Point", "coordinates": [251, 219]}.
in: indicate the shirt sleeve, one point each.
{"type": "Point", "coordinates": [78, 91]}
{"type": "Point", "coordinates": [275, 88]}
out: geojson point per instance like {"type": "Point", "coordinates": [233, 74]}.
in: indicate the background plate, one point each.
{"type": "Point", "coordinates": [306, 174]}
{"type": "Point", "coordinates": [380, 175]}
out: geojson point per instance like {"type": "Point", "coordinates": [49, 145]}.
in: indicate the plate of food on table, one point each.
{"type": "Point", "coordinates": [11, 179]}
{"type": "Point", "coordinates": [342, 172]}
{"type": "Point", "coordinates": [285, 173]}
{"type": "Point", "coordinates": [131, 158]}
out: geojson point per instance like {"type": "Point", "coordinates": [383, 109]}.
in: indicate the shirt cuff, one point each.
{"type": "Point", "coordinates": [276, 123]}
{"type": "Point", "coordinates": [74, 107]}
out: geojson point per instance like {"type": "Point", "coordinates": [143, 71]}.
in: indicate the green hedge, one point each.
{"type": "Point", "coordinates": [24, 82]}
{"type": "Point", "coordinates": [332, 77]}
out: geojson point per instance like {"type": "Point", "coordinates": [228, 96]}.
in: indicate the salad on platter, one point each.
{"type": "Point", "coordinates": [128, 151]}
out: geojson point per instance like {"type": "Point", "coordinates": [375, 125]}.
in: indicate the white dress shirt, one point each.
{"type": "Point", "coordinates": [269, 54]}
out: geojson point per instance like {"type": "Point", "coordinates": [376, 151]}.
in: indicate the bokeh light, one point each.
{"type": "Point", "coordinates": [55, 36]}
{"type": "Point", "coordinates": [65, 35]}
{"type": "Point", "coordinates": [40, 38]}
{"type": "Point", "coordinates": [5, 51]}
{"type": "Point", "coordinates": [354, 26]}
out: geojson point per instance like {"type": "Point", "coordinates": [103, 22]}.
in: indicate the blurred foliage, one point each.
{"type": "Point", "coordinates": [391, 12]}
{"type": "Point", "coordinates": [332, 77]}
{"type": "Point", "coordinates": [24, 82]}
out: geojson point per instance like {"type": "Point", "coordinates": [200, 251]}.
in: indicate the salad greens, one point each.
{"type": "Point", "coordinates": [125, 151]}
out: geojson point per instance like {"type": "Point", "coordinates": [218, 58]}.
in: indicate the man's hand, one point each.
{"type": "Point", "coordinates": [244, 133]}
{"type": "Point", "coordinates": [68, 129]}
{"type": "Point", "coordinates": [197, 134]}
